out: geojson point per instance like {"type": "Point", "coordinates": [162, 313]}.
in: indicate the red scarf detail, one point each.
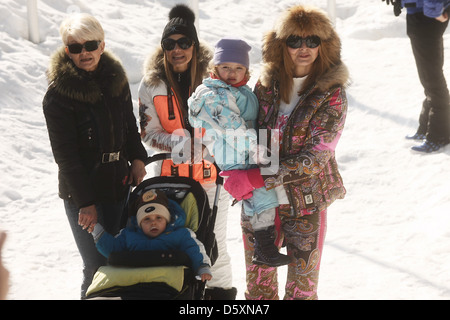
{"type": "Point", "coordinates": [239, 84]}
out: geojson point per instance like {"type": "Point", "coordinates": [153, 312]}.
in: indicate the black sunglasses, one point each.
{"type": "Point", "coordinates": [88, 45]}
{"type": "Point", "coordinates": [295, 42]}
{"type": "Point", "coordinates": [169, 43]}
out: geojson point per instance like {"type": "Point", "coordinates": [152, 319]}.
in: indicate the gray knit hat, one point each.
{"type": "Point", "coordinates": [232, 50]}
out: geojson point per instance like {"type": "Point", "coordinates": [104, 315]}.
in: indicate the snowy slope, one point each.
{"type": "Point", "coordinates": [390, 237]}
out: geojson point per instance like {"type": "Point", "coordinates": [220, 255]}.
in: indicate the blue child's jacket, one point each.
{"type": "Point", "coordinates": [175, 237]}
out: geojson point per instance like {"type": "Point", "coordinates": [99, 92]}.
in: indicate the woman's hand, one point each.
{"type": "Point", "coordinates": [87, 218]}
{"type": "Point", "coordinates": [137, 173]}
{"type": "Point", "coordinates": [443, 17]}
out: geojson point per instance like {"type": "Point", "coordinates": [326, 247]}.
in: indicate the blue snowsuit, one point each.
{"type": "Point", "coordinates": [175, 237]}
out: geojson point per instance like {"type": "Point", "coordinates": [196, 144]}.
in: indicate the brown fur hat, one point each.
{"type": "Point", "coordinates": [302, 21]}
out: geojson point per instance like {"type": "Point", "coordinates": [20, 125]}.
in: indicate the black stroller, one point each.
{"type": "Point", "coordinates": [162, 275]}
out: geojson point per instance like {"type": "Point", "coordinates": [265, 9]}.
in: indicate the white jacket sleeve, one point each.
{"type": "Point", "coordinates": [152, 132]}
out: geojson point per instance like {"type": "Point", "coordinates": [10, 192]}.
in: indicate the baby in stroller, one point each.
{"type": "Point", "coordinates": [154, 227]}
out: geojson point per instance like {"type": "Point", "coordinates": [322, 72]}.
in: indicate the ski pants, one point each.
{"type": "Point", "coordinates": [304, 237]}
{"type": "Point", "coordinates": [221, 270]}
{"type": "Point", "coordinates": [426, 35]}
{"type": "Point", "coordinates": [109, 216]}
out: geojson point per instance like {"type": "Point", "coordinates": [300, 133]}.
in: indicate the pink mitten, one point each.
{"type": "Point", "coordinates": [241, 183]}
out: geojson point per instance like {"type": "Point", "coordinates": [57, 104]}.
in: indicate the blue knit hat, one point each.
{"type": "Point", "coordinates": [232, 50]}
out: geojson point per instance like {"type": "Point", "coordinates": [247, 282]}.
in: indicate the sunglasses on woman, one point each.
{"type": "Point", "coordinates": [169, 43]}
{"type": "Point", "coordinates": [88, 45]}
{"type": "Point", "coordinates": [296, 42]}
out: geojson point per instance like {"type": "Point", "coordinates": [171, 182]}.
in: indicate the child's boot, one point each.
{"type": "Point", "coordinates": [266, 252]}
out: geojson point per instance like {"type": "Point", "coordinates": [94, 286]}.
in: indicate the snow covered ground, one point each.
{"type": "Point", "coordinates": [390, 237]}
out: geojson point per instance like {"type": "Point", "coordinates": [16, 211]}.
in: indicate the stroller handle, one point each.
{"type": "Point", "coordinates": [157, 157]}
{"type": "Point", "coordinates": [167, 156]}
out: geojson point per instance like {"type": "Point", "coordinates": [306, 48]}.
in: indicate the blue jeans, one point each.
{"type": "Point", "coordinates": [109, 216]}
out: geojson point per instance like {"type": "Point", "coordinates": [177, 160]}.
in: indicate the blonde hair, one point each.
{"type": "Point", "coordinates": [81, 27]}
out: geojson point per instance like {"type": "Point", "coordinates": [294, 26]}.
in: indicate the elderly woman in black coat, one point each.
{"type": "Point", "coordinates": [93, 134]}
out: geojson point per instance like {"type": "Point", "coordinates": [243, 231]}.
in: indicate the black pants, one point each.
{"type": "Point", "coordinates": [428, 49]}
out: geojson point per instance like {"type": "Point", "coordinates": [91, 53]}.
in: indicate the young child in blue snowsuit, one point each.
{"type": "Point", "coordinates": [227, 109]}
{"type": "Point", "coordinates": [158, 225]}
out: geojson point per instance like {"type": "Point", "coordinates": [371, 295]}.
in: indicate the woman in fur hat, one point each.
{"type": "Point", "coordinates": [302, 99]}
{"type": "Point", "coordinates": [93, 134]}
{"type": "Point", "coordinates": [171, 75]}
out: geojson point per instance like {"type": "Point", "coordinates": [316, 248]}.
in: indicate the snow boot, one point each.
{"type": "Point", "coordinates": [428, 147]}
{"type": "Point", "coordinates": [416, 136]}
{"type": "Point", "coordinates": [266, 252]}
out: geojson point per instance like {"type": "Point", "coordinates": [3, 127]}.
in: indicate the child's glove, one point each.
{"type": "Point", "coordinates": [241, 183]}
{"type": "Point", "coordinates": [97, 232]}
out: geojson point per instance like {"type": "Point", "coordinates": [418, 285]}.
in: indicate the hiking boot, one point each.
{"type": "Point", "coordinates": [415, 136]}
{"type": "Point", "coordinates": [266, 252]}
{"type": "Point", "coordinates": [428, 147]}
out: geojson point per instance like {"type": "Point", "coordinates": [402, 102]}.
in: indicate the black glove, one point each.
{"type": "Point", "coordinates": [397, 6]}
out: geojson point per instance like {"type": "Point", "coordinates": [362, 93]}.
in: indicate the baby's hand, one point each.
{"type": "Point", "coordinates": [206, 277]}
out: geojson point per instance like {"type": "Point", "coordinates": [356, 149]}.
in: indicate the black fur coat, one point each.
{"type": "Point", "coordinates": [90, 114]}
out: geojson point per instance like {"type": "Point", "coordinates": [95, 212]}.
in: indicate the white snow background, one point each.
{"type": "Point", "coordinates": [389, 238]}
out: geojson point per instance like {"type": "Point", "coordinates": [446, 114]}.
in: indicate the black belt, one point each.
{"type": "Point", "coordinates": [110, 157]}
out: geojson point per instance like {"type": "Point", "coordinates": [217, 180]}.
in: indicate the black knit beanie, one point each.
{"type": "Point", "coordinates": [181, 21]}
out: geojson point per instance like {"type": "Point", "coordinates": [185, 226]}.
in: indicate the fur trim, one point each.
{"type": "Point", "coordinates": [303, 21]}
{"type": "Point", "coordinates": [338, 75]}
{"type": "Point", "coordinates": [154, 71]}
{"type": "Point", "coordinates": [77, 84]}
